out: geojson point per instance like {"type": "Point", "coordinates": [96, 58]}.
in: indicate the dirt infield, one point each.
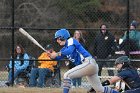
{"type": "Point", "coordinates": [39, 90]}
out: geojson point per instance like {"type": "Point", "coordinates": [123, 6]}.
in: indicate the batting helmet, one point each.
{"type": "Point", "coordinates": [122, 59]}
{"type": "Point", "coordinates": [62, 34]}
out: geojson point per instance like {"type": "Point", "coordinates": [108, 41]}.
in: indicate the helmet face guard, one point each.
{"type": "Point", "coordinates": [62, 34]}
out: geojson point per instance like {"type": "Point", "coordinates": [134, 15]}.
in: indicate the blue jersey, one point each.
{"type": "Point", "coordinates": [74, 51]}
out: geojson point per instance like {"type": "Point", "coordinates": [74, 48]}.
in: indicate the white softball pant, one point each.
{"type": "Point", "coordinates": [88, 68]}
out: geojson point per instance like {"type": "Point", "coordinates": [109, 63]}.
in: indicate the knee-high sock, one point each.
{"type": "Point", "coordinates": [109, 90]}
{"type": "Point", "coordinates": [66, 85]}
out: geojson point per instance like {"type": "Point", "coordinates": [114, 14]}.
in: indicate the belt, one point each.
{"type": "Point", "coordinates": [90, 57]}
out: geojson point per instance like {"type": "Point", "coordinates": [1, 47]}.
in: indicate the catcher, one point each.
{"type": "Point", "coordinates": [128, 74]}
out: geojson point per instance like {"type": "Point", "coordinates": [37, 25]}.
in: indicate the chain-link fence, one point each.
{"type": "Point", "coordinates": [42, 18]}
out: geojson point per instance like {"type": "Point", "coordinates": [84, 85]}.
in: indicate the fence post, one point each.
{"type": "Point", "coordinates": [127, 36]}
{"type": "Point", "coordinates": [13, 27]}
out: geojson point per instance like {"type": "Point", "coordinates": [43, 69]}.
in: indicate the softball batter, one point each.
{"type": "Point", "coordinates": [72, 50]}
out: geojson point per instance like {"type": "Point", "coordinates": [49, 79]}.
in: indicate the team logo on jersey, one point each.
{"type": "Point", "coordinates": [69, 57]}
{"type": "Point", "coordinates": [106, 37]}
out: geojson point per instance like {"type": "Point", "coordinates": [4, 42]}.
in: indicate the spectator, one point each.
{"type": "Point", "coordinates": [45, 67]}
{"type": "Point", "coordinates": [20, 64]}
{"type": "Point", "coordinates": [79, 36]}
{"type": "Point", "coordinates": [127, 74]}
{"type": "Point", "coordinates": [104, 47]}
{"type": "Point", "coordinates": [134, 35]}
{"type": "Point", "coordinates": [132, 45]}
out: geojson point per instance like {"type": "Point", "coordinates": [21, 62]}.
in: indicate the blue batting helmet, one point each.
{"type": "Point", "coordinates": [62, 34]}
